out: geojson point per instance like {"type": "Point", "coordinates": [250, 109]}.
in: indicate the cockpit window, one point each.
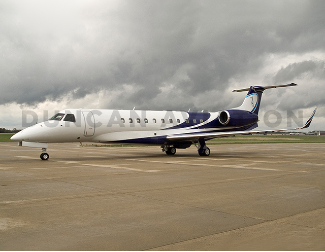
{"type": "Point", "coordinates": [69, 118]}
{"type": "Point", "coordinates": [57, 117]}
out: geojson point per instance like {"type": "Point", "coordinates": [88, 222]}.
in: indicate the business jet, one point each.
{"type": "Point", "coordinates": [170, 129]}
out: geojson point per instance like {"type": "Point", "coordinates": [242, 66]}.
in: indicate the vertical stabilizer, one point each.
{"type": "Point", "coordinates": [252, 100]}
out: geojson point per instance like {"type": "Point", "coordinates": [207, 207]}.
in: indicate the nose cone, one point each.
{"type": "Point", "coordinates": [40, 132]}
{"type": "Point", "coordinates": [14, 137]}
{"type": "Point", "coordinates": [18, 136]}
{"type": "Point", "coordinates": [28, 134]}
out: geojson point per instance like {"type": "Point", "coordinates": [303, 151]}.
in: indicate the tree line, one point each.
{"type": "Point", "coordinates": [4, 130]}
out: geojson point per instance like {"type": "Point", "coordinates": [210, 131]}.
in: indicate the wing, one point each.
{"type": "Point", "coordinates": [196, 136]}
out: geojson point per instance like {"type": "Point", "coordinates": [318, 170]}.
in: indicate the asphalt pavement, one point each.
{"type": "Point", "coordinates": [241, 197]}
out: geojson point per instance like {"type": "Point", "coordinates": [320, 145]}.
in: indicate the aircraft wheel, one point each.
{"type": "Point", "coordinates": [45, 156]}
{"type": "Point", "coordinates": [171, 151]}
{"type": "Point", "coordinates": [204, 152]}
{"type": "Point", "coordinates": [207, 152]}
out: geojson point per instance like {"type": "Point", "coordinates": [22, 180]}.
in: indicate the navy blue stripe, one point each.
{"type": "Point", "coordinates": [192, 116]}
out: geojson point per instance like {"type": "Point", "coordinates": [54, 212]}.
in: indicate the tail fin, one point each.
{"type": "Point", "coordinates": [253, 98]}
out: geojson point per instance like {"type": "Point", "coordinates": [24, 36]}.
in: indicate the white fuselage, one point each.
{"type": "Point", "coordinates": [106, 126]}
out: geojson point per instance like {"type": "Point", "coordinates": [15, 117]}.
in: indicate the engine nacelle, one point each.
{"type": "Point", "coordinates": [236, 117]}
{"type": "Point", "coordinates": [224, 117]}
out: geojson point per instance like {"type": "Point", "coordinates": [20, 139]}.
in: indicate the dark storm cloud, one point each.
{"type": "Point", "coordinates": [194, 46]}
{"type": "Point", "coordinates": [296, 70]}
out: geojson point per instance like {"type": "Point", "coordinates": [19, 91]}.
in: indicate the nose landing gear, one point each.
{"type": "Point", "coordinates": [44, 155]}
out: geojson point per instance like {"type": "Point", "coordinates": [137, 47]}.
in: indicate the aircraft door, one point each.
{"type": "Point", "coordinates": [89, 120]}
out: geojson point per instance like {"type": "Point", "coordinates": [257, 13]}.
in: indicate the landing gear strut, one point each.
{"type": "Point", "coordinates": [44, 155]}
{"type": "Point", "coordinates": [203, 150]}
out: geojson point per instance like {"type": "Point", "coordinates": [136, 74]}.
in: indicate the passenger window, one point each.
{"type": "Point", "coordinates": [138, 120]}
{"type": "Point", "coordinates": [187, 121]}
{"type": "Point", "coordinates": [69, 118]}
{"type": "Point", "coordinates": [145, 120]}
{"type": "Point", "coordinates": [154, 120]}
{"type": "Point", "coordinates": [178, 121]}
{"type": "Point", "coordinates": [130, 120]}
{"type": "Point", "coordinates": [122, 119]}
{"type": "Point", "coordinates": [194, 120]}
{"type": "Point", "coordinates": [171, 120]}
{"type": "Point", "coordinates": [201, 120]}
{"type": "Point", "coordinates": [163, 120]}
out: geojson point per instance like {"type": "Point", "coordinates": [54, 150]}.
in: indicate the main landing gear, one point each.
{"type": "Point", "coordinates": [203, 150]}
{"type": "Point", "coordinates": [169, 150]}
{"type": "Point", "coordinates": [44, 155]}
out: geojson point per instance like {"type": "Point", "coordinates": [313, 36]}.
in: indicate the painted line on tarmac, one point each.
{"type": "Point", "coordinates": [23, 201]}
{"type": "Point", "coordinates": [248, 168]}
{"type": "Point", "coordinates": [252, 168]}
{"type": "Point", "coordinates": [291, 162]}
{"type": "Point", "coordinates": [92, 156]}
{"type": "Point", "coordinates": [27, 157]}
{"type": "Point", "coordinates": [208, 165]}
{"type": "Point", "coordinates": [205, 158]}
{"type": "Point", "coordinates": [119, 167]}
{"type": "Point", "coordinates": [106, 166]}
{"type": "Point", "coordinates": [9, 145]}
{"type": "Point", "coordinates": [309, 164]}
{"type": "Point", "coordinates": [95, 165]}
{"type": "Point", "coordinates": [63, 167]}
{"type": "Point", "coordinates": [156, 161]}
{"type": "Point", "coordinates": [271, 162]}
{"type": "Point", "coordinates": [26, 150]}
{"type": "Point", "coordinates": [214, 159]}
{"type": "Point", "coordinates": [68, 162]}
{"type": "Point", "coordinates": [5, 168]}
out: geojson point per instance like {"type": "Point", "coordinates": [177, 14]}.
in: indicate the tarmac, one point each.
{"type": "Point", "coordinates": [241, 197]}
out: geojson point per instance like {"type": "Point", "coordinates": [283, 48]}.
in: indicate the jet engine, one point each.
{"type": "Point", "coordinates": [235, 117]}
{"type": "Point", "coordinates": [224, 117]}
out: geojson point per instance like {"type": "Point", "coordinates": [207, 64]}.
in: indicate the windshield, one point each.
{"type": "Point", "coordinates": [69, 118]}
{"type": "Point", "coordinates": [57, 117]}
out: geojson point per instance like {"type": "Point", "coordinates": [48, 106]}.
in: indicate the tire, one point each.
{"type": "Point", "coordinates": [45, 156]}
{"type": "Point", "coordinates": [171, 151]}
{"type": "Point", "coordinates": [204, 152]}
{"type": "Point", "coordinates": [207, 152]}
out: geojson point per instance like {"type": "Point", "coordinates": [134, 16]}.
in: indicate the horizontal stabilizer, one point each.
{"type": "Point", "coordinates": [266, 87]}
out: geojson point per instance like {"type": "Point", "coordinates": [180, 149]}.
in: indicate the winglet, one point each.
{"type": "Point", "coordinates": [307, 124]}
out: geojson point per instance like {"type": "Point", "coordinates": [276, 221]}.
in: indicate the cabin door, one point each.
{"type": "Point", "coordinates": [89, 123]}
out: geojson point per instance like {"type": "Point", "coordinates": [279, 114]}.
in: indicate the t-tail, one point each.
{"type": "Point", "coordinates": [253, 98]}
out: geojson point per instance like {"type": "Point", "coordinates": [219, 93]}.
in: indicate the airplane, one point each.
{"type": "Point", "coordinates": [170, 129]}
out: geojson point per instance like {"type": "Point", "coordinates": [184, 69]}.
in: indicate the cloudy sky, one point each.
{"type": "Point", "coordinates": [168, 54]}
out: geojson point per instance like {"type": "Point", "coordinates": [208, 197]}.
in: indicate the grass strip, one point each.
{"type": "Point", "coordinates": [5, 137]}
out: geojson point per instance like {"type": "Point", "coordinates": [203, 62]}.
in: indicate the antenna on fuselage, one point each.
{"type": "Point", "coordinates": [133, 108]}
{"type": "Point", "coordinates": [189, 110]}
